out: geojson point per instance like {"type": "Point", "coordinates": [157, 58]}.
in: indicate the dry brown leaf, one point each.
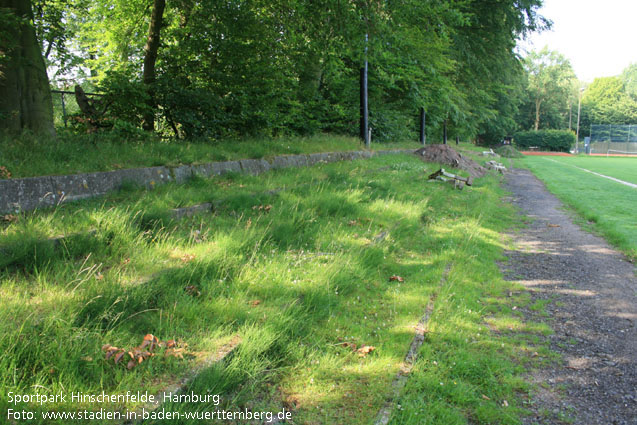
{"type": "Point", "coordinates": [10, 218]}
{"type": "Point", "coordinates": [138, 354]}
{"type": "Point", "coordinates": [150, 337]}
{"type": "Point", "coordinates": [352, 223]}
{"type": "Point", "coordinates": [175, 352]}
{"type": "Point", "coordinates": [119, 356]}
{"type": "Point", "coordinates": [365, 350]}
{"type": "Point", "coordinates": [192, 290]}
{"type": "Point", "coordinates": [485, 397]}
{"type": "Point", "coordinates": [255, 303]}
{"type": "Point", "coordinates": [348, 345]}
{"type": "Point", "coordinates": [553, 225]}
{"type": "Point", "coordinates": [265, 208]}
{"type": "Point", "coordinates": [186, 258]}
{"type": "Point", "coordinates": [396, 278]}
{"type": "Point", "coordinates": [150, 341]}
{"type": "Point", "coordinates": [4, 172]}
{"type": "Point", "coordinates": [111, 352]}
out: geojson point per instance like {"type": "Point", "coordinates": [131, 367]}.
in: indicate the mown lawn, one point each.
{"type": "Point", "coordinates": [295, 267]}
{"type": "Point", "coordinates": [623, 168]}
{"type": "Point", "coordinates": [607, 206]}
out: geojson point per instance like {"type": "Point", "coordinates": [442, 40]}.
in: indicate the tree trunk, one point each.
{"type": "Point", "coordinates": [25, 95]}
{"type": "Point", "coordinates": [538, 102]}
{"type": "Point", "coordinates": [150, 58]}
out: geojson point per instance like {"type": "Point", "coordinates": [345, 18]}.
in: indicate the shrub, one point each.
{"type": "Point", "coordinates": [127, 100]}
{"type": "Point", "coordinates": [546, 140]}
{"type": "Point", "coordinates": [508, 151]}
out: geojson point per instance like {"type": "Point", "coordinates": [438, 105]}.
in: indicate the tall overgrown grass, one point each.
{"type": "Point", "coordinates": [300, 276]}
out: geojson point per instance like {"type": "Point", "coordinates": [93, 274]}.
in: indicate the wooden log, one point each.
{"type": "Point", "coordinates": [442, 172]}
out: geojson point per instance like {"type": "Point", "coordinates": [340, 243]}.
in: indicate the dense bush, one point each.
{"type": "Point", "coordinates": [508, 151]}
{"type": "Point", "coordinates": [545, 140]}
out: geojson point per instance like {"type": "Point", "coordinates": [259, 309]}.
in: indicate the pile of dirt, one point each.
{"type": "Point", "coordinates": [444, 154]}
{"type": "Point", "coordinates": [508, 151]}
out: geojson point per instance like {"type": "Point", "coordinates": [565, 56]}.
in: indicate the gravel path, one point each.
{"type": "Point", "coordinates": [593, 310]}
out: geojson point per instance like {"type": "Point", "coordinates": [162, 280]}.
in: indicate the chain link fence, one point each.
{"type": "Point", "coordinates": [613, 138]}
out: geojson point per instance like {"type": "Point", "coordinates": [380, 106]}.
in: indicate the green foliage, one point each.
{"type": "Point", "coordinates": [608, 102]}
{"type": "Point", "coordinates": [126, 99]}
{"type": "Point", "coordinates": [545, 140]}
{"type": "Point", "coordinates": [271, 68]}
{"type": "Point", "coordinates": [508, 151]}
{"type": "Point", "coordinates": [549, 94]}
{"type": "Point", "coordinates": [629, 78]}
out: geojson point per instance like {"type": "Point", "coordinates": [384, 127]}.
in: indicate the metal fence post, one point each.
{"type": "Point", "coordinates": [364, 100]}
{"type": "Point", "coordinates": [444, 132]}
{"type": "Point", "coordinates": [422, 126]}
{"type": "Point", "coordinates": [63, 110]}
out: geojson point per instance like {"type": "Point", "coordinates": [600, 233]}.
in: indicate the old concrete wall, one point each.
{"type": "Point", "coordinates": [39, 192]}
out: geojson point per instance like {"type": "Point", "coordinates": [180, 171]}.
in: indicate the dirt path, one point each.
{"type": "Point", "coordinates": [593, 310]}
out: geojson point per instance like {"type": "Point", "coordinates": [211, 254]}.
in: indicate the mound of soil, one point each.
{"type": "Point", "coordinates": [444, 154]}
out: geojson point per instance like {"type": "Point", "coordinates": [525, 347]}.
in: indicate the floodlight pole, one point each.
{"type": "Point", "coordinates": [365, 100]}
{"type": "Point", "coordinates": [579, 108]}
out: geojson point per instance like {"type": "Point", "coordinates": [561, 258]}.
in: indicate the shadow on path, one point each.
{"type": "Point", "coordinates": [591, 295]}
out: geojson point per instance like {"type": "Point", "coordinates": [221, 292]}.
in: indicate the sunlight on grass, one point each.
{"type": "Point", "coordinates": [602, 205]}
{"type": "Point", "coordinates": [304, 283]}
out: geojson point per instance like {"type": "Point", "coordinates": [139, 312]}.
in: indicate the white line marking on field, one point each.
{"type": "Point", "coordinates": [634, 186]}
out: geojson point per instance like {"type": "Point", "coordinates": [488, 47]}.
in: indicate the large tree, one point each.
{"type": "Point", "coordinates": [550, 77]}
{"type": "Point", "coordinates": [607, 102]}
{"type": "Point", "coordinates": [150, 59]}
{"type": "Point", "coordinates": [25, 95]}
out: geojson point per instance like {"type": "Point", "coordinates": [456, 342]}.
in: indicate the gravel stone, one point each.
{"type": "Point", "coordinates": [593, 311]}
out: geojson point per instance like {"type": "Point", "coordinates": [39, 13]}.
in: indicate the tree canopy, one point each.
{"type": "Point", "coordinates": [243, 67]}
{"type": "Point", "coordinates": [549, 91]}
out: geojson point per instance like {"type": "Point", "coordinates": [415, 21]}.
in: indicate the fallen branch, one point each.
{"type": "Point", "coordinates": [458, 181]}
{"type": "Point", "coordinates": [493, 165]}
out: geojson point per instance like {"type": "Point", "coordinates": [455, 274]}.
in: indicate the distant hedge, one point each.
{"type": "Point", "coordinates": [545, 140]}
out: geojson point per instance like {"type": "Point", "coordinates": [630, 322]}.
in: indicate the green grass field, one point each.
{"type": "Point", "coordinates": [623, 168]}
{"type": "Point", "coordinates": [297, 276]}
{"type": "Point", "coordinates": [30, 156]}
{"type": "Point", "coordinates": [609, 207]}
